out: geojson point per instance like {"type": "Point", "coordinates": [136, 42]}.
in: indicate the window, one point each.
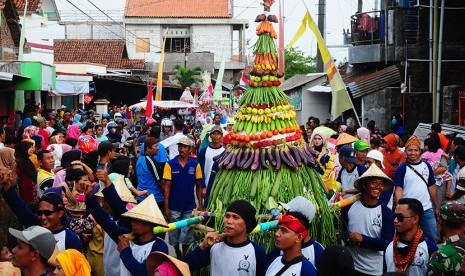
{"type": "Point", "coordinates": [142, 45]}
{"type": "Point", "coordinates": [177, 45]}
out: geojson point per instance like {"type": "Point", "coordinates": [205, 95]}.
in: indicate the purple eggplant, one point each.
{"type": "Point", "coordinates": [249, 161]}
{"type": "Point", "coordinates": [219, 156]}
{"type": "Point", "coordinates": [263, 159]}
{"type": "Point", "coordinates": [244, 158]}
{"type": "Point", "coordinates": [256, 160]}
{"type": "Point", "coordinates": [227, 160]}
{"type": "Point", "coordinates": [278, 159]}
{"type": "Point", "coordinates": [290, 158]}
{"type": "Point", "coordinates": [233, 160]}
{"type": "Point", "coordinates": [303, 156]}
{"type": "Point", "coordinates": [296, 155]}
{"type": "Point", "coordinates": [313, 152]}
{"type": "Point", "coordinates": [269, 154]}
{"type": "Point", "coordinates": [285, 160]}
{"type": "Point", "coordinates": [239, 157]}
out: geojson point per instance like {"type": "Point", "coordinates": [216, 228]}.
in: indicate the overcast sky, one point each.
{"type": "Point", "coordinates": [338, 14]}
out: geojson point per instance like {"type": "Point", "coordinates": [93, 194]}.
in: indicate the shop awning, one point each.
{"type": "Point", "coordinates": [70, 88]}
{"type": "Point", "coordinates": [5, 76]}
{"type": "Point", "coordinates": [376, 81]}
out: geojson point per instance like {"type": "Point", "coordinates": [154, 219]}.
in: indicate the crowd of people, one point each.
{"type": "Point", "coordinates": [82, 196]}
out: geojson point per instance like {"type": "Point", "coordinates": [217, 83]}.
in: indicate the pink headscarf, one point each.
{"type": "Point", "coordinates": [30, 131]}
{"type": "Point", "coordinates": [364, 134]}
{"type": "Point", "coordinates": [73, 131]}
{"type": "Point", "coordinates": [343, 128]}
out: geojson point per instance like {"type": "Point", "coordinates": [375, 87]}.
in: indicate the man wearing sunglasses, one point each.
{"type": "Point", "coordinates": [50, 212]}
{"type": "Point", "coordinates": [369, 223]}
{"type": "Point", "coordinates": [409, 251]}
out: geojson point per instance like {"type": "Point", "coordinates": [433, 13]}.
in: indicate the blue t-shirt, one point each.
{"type": "Point", "coordinates": [183, 179]}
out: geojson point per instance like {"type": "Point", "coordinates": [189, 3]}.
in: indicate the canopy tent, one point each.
{"type": "Point", "coordinates": [164, 104]}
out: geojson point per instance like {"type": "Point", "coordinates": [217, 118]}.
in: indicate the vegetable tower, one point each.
{"type": "Point", "coordinates": [268, 160]}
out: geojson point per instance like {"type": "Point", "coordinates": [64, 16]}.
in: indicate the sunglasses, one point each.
{"type": "Point", "coordinates": [400, 217]}
{"type": "Point", "coordinates": [47, 213]}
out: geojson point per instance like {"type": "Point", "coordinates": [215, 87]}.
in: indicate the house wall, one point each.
{"type": "Point", "coordinates": [8, 48]}
{"type": "Point", "coordinates": [314, 104]}
{"type": "Point", "coordinates": [153, 32]}
{"type": "Point", "coordinates": [92, 30]}
{"type": "Point", "coordinates": [212, 38]}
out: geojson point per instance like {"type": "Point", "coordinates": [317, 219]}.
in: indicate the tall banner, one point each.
{"type": "Point", "coordinates": [340, 97]}
{"type": "Point", "coordinates": [218, 92]}
{"type": "Point", "coordinates": [160, 72]}
{"type": "Point", "coordinates": [149, 107]}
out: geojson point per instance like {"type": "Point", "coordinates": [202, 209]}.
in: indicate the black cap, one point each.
{"type": "Point", "coordinates": [246, 211]}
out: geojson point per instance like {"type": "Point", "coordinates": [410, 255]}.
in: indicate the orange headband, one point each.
{"type": "Point", "coordinates": [294, 224]}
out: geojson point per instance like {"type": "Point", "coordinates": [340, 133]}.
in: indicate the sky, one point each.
{"type": "Point", "coordinates": [338, 14]}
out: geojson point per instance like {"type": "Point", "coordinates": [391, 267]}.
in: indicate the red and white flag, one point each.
{"type": "Point", "coordinates": [243, 81]}
{"type": "Point", "coordinates": [210, 89]}
{"type": "Point", "coordinates": [149, 107]}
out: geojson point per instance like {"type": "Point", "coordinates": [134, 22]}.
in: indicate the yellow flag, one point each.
{"type": "Point", "coordinates": [340, 98]}
{"type": "Point", "coordinates": [160, 73]}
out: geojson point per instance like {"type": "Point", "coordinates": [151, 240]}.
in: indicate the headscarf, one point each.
{"type": "Point", "coordinates": [26, 122]}
{"type": "Point", "coordinates": [77, 119]}
{"type": "Point", "coordinates": [7, 157]}
{"type": "Point", "coordinates": [57, 152]}
{"type": "Point", "coordinates": [23, 161]}
{"type": "Point", "coordinates": [324, 149]}
{"type": "Point", "coordinates": [293, 223]}
{"type": "Point", "coordinates": [120, 166]}
{"type": "Point", "coordinates": [65, 148]}
{"type": "Point", "coordinates": [343, 127]}
{"type": "Point", "coordinates": [364, 134]}
{"type": "Point", "coordinates": [29, 131]}
{"type": "Point", "coordinates": [73, 131]}
{"type": "Point", "coordinates": [73, 263]}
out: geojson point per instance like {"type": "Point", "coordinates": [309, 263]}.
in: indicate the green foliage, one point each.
{"type": "Point", "coordinates": [188, 77]}
{"type": "Point", "coordinates": [297, 63]}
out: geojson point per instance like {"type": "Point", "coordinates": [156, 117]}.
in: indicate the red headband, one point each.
{"type": "Point", "coordinates": [294, 224]}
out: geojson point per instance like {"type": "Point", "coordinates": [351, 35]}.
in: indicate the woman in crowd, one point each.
{"type": "Point", "coordinates": [72, 263]}
{"type": "Point", "coordinates": [26, 172]}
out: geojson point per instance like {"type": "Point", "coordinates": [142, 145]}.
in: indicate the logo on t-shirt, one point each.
{"type": "Point", "coordinates": [191, 170]}
{"type": "Point", "coordinates": [244, 264]}
{"type": "Point", "coordinates": [377, 221]}
{"type": "Point", "coordinates": [419, 261]}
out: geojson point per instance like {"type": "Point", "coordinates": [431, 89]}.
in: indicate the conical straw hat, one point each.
{"type": "Point", "coordinates": [157, 258]}
{"type": "Point", "coordinates": [374, 171]}
{"type": "Point", "coordinates": [123, 191]}
{"type": "Point", "coordinates": [344, 139]}
{"type": "Point", "coordinates": [148, 211]}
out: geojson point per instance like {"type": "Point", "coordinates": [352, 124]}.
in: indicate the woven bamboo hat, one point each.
{"type": "Point", "coordinates": [147, 211]}
{"type": "Point", "coordinates": [374, 172]}
{"type": "Point", "coordinates": [344, 139]}
{"type": "Point", "coordinates": [157, 258]}
{"type": "Point", "coordinates": [122, 190]}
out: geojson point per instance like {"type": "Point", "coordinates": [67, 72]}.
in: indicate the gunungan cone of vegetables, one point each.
{"type": "Point", "coordinates": [268, 160]}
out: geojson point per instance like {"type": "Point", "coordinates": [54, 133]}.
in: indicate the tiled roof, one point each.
{"type": "Point", "coordinates": [110, 52]}
{"type": "Point", "coordinates": [132, 63]}
{"type": "Point", "coordinates": [178, 8]}
{"type": "Point", "coordinates": [32, 5]}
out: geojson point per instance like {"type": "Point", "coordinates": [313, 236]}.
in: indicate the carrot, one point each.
{"type": "Point", "coordinates": [345, 202]}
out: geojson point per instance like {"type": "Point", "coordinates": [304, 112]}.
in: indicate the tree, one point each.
{"type": "Point", "coordinates": [188, 77]}
{"type": "Point", "coordinates": [297, 63]}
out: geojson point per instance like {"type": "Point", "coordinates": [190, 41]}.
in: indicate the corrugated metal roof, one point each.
{"type": "Point", "coordinates": [376, 81]}
{"type": "Point", "coordinates": [299, 80]}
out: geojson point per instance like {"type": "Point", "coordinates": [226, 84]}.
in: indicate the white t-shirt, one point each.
{"type": "Point", "coordinates": [412, 185]}
{"type": "Point", "coordinates": [209, 155]}
{"type": "Point", "coordinates": [419, 265]}
{"type": "Point", "coordinates": [140, 253]}
{"type": "Point", "coordinates": [171, 143]}
{"type": "Point", "coordinates": [227, 260]}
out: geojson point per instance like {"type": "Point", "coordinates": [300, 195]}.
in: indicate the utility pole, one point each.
{"type": "Point", "coordinates": [435, 57]}
{"type": "Point", "coordinates": [322, 28]}
{"type": "Point", "coordinates": [360, 6]}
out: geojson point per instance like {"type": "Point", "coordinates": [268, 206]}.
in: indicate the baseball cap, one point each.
{"type": "Point", "coordinates": [216, 128]}
{"type": "Point", "coordinates": [302, 205]}
{"type": "Point", "coordinates": [361, 145]}
{"type": "Point", "coordinates": [348, 152]}
{"type": "Point", "coordinates": [186, 141]}
{"type": "Point", "coordinates": [41, 239]}
{"type": "Point", "coordinates": [376, 155]}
